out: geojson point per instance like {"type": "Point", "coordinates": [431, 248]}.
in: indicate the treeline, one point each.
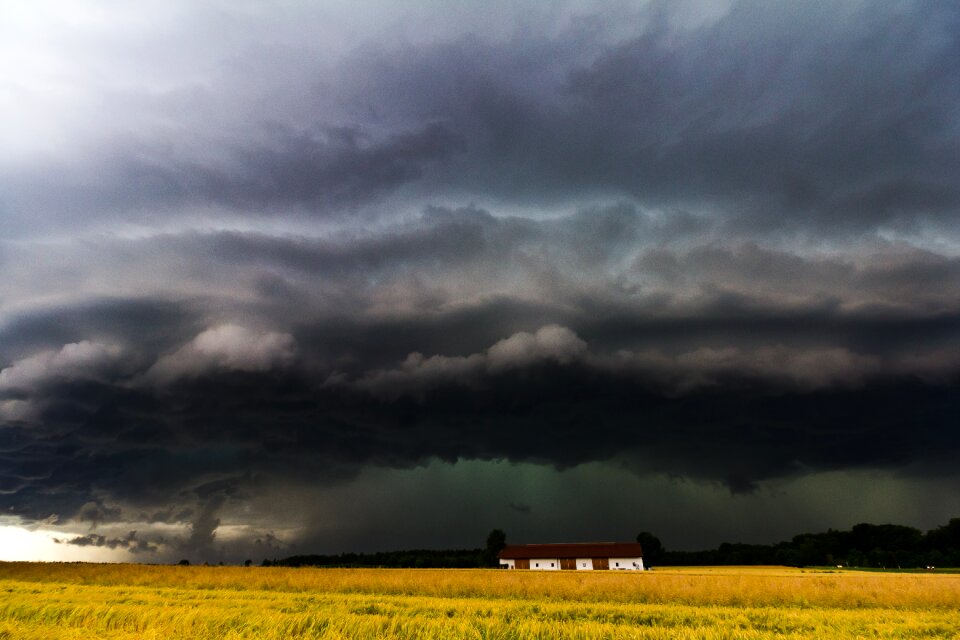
{"type": "Point", "coordinates": [409, 559]}
{"type": "Point", "coordinates": [865, 546]}
{"type": "Point", "coordinates": [415, 558]}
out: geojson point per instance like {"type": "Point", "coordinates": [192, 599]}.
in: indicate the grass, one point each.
{"type": "Point", "coordinates": [59, 601]}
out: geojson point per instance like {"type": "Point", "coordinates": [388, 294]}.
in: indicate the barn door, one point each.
{"type": "Point", "coordinates": [601, 563]}
{"type": "Point", "coordinates": [568, 564]}
{"type": "Point", "coordinates": [522, 563]}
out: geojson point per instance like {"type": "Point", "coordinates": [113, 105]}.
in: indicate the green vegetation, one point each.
{"type": "Point", "coordinates": [407, 559]}
{"type": "Point", "coordinates": [865, 545]}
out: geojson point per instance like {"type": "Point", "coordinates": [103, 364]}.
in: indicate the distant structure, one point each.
{"type": "Point", "coordinates": [585, 556]}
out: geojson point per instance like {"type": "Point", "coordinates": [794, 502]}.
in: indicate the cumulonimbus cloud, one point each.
{"type": "Point", "coordinates": [717, 240]}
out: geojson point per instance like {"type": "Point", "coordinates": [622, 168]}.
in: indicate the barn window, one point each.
{"type": "Point", "coordinates": [551, 564]}
{"type": "Point", "coordinates": [584, 565]}
{"type": "Point", "coordinates": [538, 565]}
{"type": "Point", "coordinates": [616, 564]}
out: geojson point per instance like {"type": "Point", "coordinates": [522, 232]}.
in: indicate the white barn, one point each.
{"type": "Point", "coordinates": [584, 556]}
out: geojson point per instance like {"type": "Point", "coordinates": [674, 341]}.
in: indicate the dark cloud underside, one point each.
{"type": "Point", "coordinates": [711, 241]}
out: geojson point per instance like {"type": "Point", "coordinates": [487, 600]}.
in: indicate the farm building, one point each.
{"type": "Point", "coordinates": [625, 556]}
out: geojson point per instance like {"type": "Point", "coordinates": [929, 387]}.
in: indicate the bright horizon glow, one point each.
{"type": "Point", "coordinates": [24, 545]}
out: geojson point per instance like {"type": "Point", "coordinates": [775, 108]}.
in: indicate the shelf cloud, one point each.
{"type": "Point", "coordinates": [274, 251]}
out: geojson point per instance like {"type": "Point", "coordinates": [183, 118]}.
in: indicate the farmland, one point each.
{"type": "Point", "coordinates": [135, 601]}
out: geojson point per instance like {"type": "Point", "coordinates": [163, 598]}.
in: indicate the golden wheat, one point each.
{"type": "Point", "coordinates": [61, 601]}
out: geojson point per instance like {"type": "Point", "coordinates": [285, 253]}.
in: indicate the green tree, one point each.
{"type": "Point", "coordinates": [652, 549]}
{"type": "Point", "coordinates": [946, 536]}
{"type": "Point", "coordinates": [496, 541]}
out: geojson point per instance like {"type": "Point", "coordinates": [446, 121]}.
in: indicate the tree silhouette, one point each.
{"type": "Point", "coordinates": [496, 541]}
{"type": "Point", "coordinates": [652, 549]}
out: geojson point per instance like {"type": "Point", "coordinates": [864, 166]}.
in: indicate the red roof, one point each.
{"type": "Point", "coordinates": [572, 550]}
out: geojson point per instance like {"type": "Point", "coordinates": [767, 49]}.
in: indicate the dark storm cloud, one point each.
{"type": "Point", "coordinates": [784, 115]}
{"type": "Point", "coordinates": [204, 527]}
{"type": "Point", "coordinates": [520, 508]}
{"type": "Point", "coordinates": [129, 542]}
{"type": "Point", "coordinates": [169, 515]}
{"type": "Point", "coordinates": [338, 167]}
{"type": "Point", "coordinates": [123, 320]}
{"type": "Point", "coordinates": [323, 172]}
{"type": "Point", "coordinates": [737, 415]}
{"type": "Point", "coordinates": [722, 249]}
{"type": "Point", "coordinates": [95, 514]}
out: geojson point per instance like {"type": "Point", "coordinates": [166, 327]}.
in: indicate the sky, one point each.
{"type": "Point", "coordinates": [316, 277]}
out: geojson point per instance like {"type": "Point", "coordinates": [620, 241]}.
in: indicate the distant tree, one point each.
{"type": "Point", "coordinates": [652, 549]}
{"type": "Point", "coordinates": [184, 563]}
{"type": "Point", "coordinates": [496, 541]}
{"type": "Point", "coordinates": [247, 563]}
{"type": "Point", "coordinates": [945, 536]}
{"type": "Point", "coordinates": [855, 558]}
{"type": "Point", "coordinates": [886, 536]}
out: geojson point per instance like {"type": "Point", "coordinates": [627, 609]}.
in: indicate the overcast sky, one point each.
{"type": "Point", "coordinates": [318, 277]}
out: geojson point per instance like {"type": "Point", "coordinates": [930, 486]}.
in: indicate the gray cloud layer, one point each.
{"type": "Point", "coordinates": [707, 240]}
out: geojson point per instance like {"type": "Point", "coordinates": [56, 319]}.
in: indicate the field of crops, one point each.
{"type": "Point", "coordinates": [131, 601]}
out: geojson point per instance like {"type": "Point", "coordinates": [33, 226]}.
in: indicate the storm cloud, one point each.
{"type": "Point", "coordinates": [130, 542]}
{"type": "Point", "coordinates": [284, 250]}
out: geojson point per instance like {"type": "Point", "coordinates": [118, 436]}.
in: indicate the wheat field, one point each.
{"type": "Point", "coordinates": [59, 601]}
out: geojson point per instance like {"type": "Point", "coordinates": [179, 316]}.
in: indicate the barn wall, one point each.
{"type": "Point", "coordinates": [543, 564]}
{"type": "Point", "coordinates": [601, 563]}
{"type": "Point", "coordinates": [626, 564]}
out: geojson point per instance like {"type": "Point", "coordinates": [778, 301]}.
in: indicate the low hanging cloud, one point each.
{"type": "Point", "coordinates": [130, 542]}
{"type": "Point", "coordinates": [170, 514]}
{"type": "Point", "coordinates": [775, 367]}
{"type": "Point", "coordinates": [96, 512]}
{"type": "Point", "coordinates": [224, 348]}
{"type": "Point", "coordinates": [79, 360]}
{"type": "Point", "coordinates": [552, 343]}
{"type": "Point", "coordinates": [203, 529]}
{"type": "Point", "coordinates": [15, 411]}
